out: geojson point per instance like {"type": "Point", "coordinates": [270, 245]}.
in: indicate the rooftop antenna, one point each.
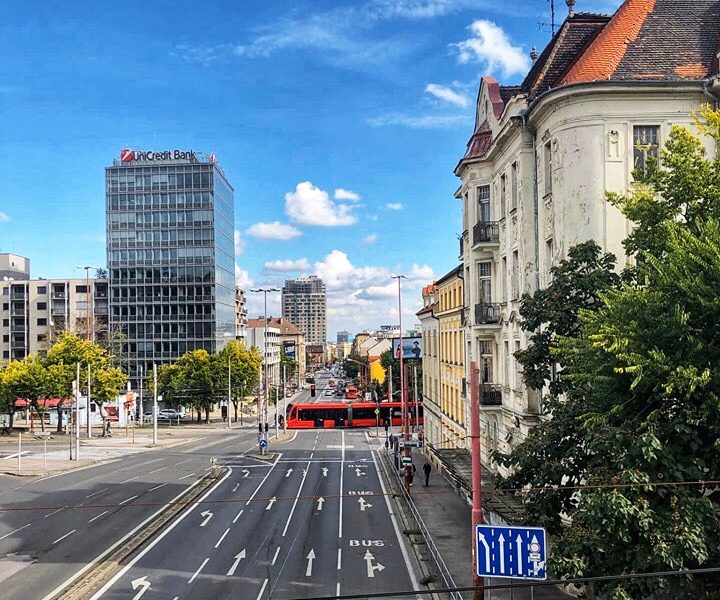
{"type": "Point", "coordinates": [551, 24]}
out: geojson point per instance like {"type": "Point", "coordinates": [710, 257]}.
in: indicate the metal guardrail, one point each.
{"type": "Point", "coordinates": [441, 567]}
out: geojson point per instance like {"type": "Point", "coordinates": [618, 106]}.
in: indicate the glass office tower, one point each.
{"type": "Point", "coordinates": [170, 256]}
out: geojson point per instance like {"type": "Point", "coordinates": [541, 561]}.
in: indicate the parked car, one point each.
{"type": "Point", "coordinates": [328, 392]}
{"type": "Point", "coordinates": [166, 415]}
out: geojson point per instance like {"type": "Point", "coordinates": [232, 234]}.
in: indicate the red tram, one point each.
{"type": "Point", "coordinates": [329, 415]}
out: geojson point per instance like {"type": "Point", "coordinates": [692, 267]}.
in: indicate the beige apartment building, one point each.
{"type": "Point", "coordinates": [541, 158]}
{"type": "Point", "coordinates": [430, 331]}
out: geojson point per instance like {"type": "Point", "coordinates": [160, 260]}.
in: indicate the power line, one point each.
{"type": "Point", "coordinates": [521, 584]}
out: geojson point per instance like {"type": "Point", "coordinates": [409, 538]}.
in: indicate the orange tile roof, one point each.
{"type": "Point", "coordinates": [607, 50]}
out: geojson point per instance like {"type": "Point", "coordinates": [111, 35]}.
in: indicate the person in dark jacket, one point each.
{"type": "Point", "coordinates": [426, 469]}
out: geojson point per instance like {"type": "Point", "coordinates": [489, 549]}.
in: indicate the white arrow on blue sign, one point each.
{"type": "Point", "coordinates": [510, 552]}
{"type": "Point", "coordinates": [263, 443]}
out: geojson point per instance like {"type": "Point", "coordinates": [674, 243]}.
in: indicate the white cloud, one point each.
{"type": "Point", "coordinates": [286, 266]}
{"type": "Point", "coordinates": [446, 94]}
{"type": "Point", "coordinates": [309, 205]}
{"type": "Point", "coordinates": [421, 273]}
{"type": "Point", "coordinates": [491, 46]}
{"type": "Point", "coordinates": [242, 278]}
{"type": "Point", "coordinates": [394, 205]}
{"type": "Point", "coordinates": [369, 239]}
{"type": "Point", "coordinates": [239, 243]}
{"type": "Point", "coordinates": [341, 194]}
{"type": "Point", "coordinates": [419, 121]}
{"type": "Point", "coordinates": [4, 217]}
{"type": "Point", "coordinates": [274, 231]}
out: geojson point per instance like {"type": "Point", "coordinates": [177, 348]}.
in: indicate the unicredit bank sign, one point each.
{"type": "Point", "coordinates": [127, 155]}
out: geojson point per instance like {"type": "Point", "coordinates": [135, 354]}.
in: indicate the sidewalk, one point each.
{"type": "Point", "coordinates": [441, 513]}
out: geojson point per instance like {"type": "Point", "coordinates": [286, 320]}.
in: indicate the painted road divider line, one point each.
{"type": "Point", "coordinates": [200, 568]}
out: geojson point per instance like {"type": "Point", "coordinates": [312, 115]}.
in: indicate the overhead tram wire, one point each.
{"type": "Point", "coordinates": [515, 585]}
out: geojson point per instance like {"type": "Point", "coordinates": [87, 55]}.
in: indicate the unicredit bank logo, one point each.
{"type": "Point", "coordinates": [131, 155]}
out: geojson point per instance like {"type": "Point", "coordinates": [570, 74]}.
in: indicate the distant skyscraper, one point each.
{"type": "Point", "coordinates": [170, 255]}
{"type": "Point", "coordinates": [304, 303]}
{"type": "Point", "coordinates": [343, 337]}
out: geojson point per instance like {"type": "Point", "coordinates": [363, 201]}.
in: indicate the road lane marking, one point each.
{"type": "Point", "coordinates": [342, 472]}
{"type": "Point", "coordinates": [200, 568]}
{"type": "Point", "coordinates": [100, 515]}
{"type": "Point", "coordinates": [23, 453]}
{"type": "Point", "coordinates": [235, 487]}
{"type": "Point", "coordinates": [131, 498]}
{"type": "Point", "coordinates": [15, 531]}
{"type": "Point", "coordinates": [339, 561]}
{"type": "Point", "coordinates": [337, 589]}
{"type": "Point", "coordinates": [53, 512]}
{"type": "Point", "coordinates": [140, 582]}
{"type": "Point", "coordinates": [222, 537]}
{"type": "Point", "coordinates": [157, 470]}
{"type": "Point", "coordinates": [98, 492]}
{"type": "Point", "coordinates": [403, 550]}
{"type": "Point", "coordinates": [297, 497]}
{"type": "Point", "coordinates": [157, 487]}
{"type": "Point", "coordinates": [272, 501]}
{"type": "Point", "coordinates": [238, 557]}
{"type": "Point", "coordinates": [183, 461]}
{"type": "Point", "coordinates": [131, 479]}
{"type": "Point", "coordinates": [262, 589]}
{"type": "Point", "coordinates": [208, 515]}
{"type": "Point", "coordinates": [145, 550]}
{"type": "Point", "coordinates": [237, 516]}
{"type": "Point", "coordinates": [310, 558]}
{"type": "Point", "coordinates": [185, 476]}
{"type": "Point", "coordinates": [60, 539]}
{"type": "Point", "coordinates": [276, 555]}
{"type": "Point", "coordinates": [257, 489]}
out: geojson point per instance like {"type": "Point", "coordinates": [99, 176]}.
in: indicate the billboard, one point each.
{"type": "Point", "coordinates": [289, 349]}
{"type": "Point", "coordinates": [411, 348]}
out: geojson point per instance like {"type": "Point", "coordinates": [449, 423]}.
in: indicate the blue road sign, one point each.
{"type": "Point", "coordinates": [263, 443]}
{"type": "Point", "coordinates": [511, 552]}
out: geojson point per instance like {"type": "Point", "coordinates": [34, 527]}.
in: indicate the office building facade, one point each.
{"type": "Point", "coordinates": [170, 255]}
{"type": "Point", "coordinates": [304, 303]}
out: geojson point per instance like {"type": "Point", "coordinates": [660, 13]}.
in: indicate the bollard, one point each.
{"type": "Point", "coordinates": [214, 468]}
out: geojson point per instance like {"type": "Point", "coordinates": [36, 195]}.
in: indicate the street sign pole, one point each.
{"type": "Point", "coordinates": [477, 512]}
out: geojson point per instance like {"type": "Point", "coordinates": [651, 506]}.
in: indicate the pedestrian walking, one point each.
{"type": "Point", "coordinates": [5, 426]}
{"type": "Point", "coordinates": [108, 433]}
{"type": "Point", "coordinates": [426, 469]}
{"type": "Point", "coordinates": [408, 478]}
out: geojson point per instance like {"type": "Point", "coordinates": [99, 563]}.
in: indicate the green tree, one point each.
{"type": "Point", "coordinates": [244, 370]}
{"type": "Point", "coordinates": [639, 407]}
{"type": "Point", "coordinates": [197, 381]}
{"type": "Point", "coordinates": [28, 379]}
{"type": "Point", "coordinates": [107, 384]}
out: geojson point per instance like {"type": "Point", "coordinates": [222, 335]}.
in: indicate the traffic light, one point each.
{"type": "Point", "coordinates": [312, 391]}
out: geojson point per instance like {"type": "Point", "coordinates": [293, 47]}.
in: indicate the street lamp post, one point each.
{"type": "Point", "coordinates": [403, 399]}
{"type": "Point", "coordinates": [262, 413]}
{"type": "Point", "coordinates": [87, 298]}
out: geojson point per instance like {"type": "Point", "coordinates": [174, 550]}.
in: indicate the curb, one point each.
{"type": "Point", "coordinates": [408, 529]}
{"type": "Point", "coordinates": [87, 465]}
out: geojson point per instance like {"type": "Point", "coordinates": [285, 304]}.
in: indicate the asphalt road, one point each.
{"type": "Point", "coordinates": [314, 522]}
{"type": "Point", "coordinates": [52, 527]}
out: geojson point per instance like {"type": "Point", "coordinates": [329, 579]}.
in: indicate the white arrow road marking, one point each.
{"type": "Point", "coordinates": [371, 568]}
{"type": "Point", "coordinates": [520, 567]}
{"type": "Point", "coordinates": [481, 537]}
{"type": "Point", "coordinates": [200, 568]}
{"type": "Point", "coordinates": [238, 557]}
{"type": "Point", "coordinates": [363, 504]}
{"type": "Point", "coordinates": [310, 558]}
{"type": "Point", "coordinates": [143, 583]}
{"type": "Point", "coordinates": [208, 515]}
{"type": "Point", "coordinates": [272, 501]}
{"type": "Point", "coordinates": [288, 472]}
{"type": "Point", "coordinates": [320, 502]}
{"type": "Point", "coordinates": [325, 471]}
{"type": "Point", "coordinates": [358, 472]}
{"type": "Point", "coordinates": [501, 541]}
{"type": "Point", "coordinates": [246, 473]}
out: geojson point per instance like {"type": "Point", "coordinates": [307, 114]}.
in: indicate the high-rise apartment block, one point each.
{"type": "Point", "coordinates": [170, 255]}
{"type": "Point", "coordinates": [304, 303]}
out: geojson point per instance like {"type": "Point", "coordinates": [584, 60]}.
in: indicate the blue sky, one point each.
{"type": "Point", "coordinates": [339, 121]}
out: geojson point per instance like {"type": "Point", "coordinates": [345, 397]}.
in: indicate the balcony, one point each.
{"type": "Point", "coordinates": [487, 313]}
{"type": "Point", "coordinates": [490, 395]}
{"type": "Point", "coordinates": [486, 232]}
{"type": "Point", "coordinates": [57, 295]}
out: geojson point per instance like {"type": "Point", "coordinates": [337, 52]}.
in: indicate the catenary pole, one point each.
{"type": "Point", "coordinates": [77, 412]}
{"type": "Point", "coordinates": [155, 405]}
{"type": "Point", "coordinates": [87, 411]}
{"type": "Point", "coordinates": [229, 398]}
{"type": "Point", "coordinates": [403, 396]}
{"type": "Point", "coordinates": [477, 512]}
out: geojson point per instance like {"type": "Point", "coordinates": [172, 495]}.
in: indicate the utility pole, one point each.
{"type": "Point", "coordinates": [229, 397]}
{"type": "Point", "coordinates": [77, 412]}
{"type": "Point", "coordinates": [284, 383]}
{"type": "Point", "coordinates": [416, 395]}
{"type": "Point", "coordinates": [87, 412]}
{"type": "Point", "coordinates": [141, 395]}
{"type": "Point", "coordinates": [403, 397]}
{"type": "Point", "coordinates": [477, 511]}
{"type": "Point", "coordinates": [155, 405]}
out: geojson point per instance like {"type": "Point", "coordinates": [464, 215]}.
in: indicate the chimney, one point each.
{"type": "Point", "coordinates": [571, 7]}
{"type": "Point", "coordinates": [534, 54]}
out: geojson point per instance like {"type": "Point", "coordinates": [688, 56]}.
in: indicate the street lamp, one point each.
{"type": "Point", "coordinates": [262, 412]}
{"type": "Point", "coordinates": [87, 297]}
{"type": "Point", "coordinates": [403, 400]}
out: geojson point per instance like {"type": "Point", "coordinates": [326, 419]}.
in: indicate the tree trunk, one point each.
{"type": "Point", "coordinates": [199, 415]}
{"type": "Point", "coordinates": [60, 417]}
{"type": "Point", "coordinates": [207, 415]}
{"type": "Point", "coordinates": [235, 405]}
{"type": "Point", "coordinates": [42, 420]}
